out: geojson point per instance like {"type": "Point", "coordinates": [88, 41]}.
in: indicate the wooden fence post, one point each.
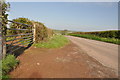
{"type": "Point", "coordinates": [1, 50]}
{"type": "Point", "coordinates": [1, 31]}
{"type": "Point", "coordinates": [34, 32]}
{"type": "Point", "coordinates": [4, 46]}
{"type": "Point", "coordinates": [1, 42]}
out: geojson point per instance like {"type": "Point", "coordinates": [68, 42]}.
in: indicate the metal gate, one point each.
{"type": "Point", "coordinates": [16, 39]}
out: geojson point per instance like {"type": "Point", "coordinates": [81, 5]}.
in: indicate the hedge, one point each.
{"type": "Point", "coordinates": [106, 34]}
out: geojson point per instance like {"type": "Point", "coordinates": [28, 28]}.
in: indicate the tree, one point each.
{"type": "Point", "coordinates": [64, 32]}
{"type": "Point", "coordinates": [3, 15]}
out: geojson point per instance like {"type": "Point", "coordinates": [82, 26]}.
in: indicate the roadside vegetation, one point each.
{"type": "Point", "coordinates": [56, 41]}
{"type": "Point", "coordinates": [62, 32]}
{"type": "Point", "coordinates": [105, 36]}
{"type": "Point", "coordinates": [42, 33]}
{"type": "Point", "coordinates": [8, 64]}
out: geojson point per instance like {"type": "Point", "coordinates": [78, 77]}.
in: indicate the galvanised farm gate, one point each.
{"type": "Point", "coordinates": [15, 39]}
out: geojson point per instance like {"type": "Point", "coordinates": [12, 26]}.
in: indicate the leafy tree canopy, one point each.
{"type": "Point", "coordinates": [4, 8]}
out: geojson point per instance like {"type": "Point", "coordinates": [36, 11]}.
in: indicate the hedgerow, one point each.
{"type": "Point", "coordinates": [41, 31]}
{"type": "Point", "coordinates": [105, 34]}
{"type": "Point", "coordinates": [95, 37]}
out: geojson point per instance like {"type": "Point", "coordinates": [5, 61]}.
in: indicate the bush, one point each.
{"type": "Point", "coordinates": [41, 32]}
{"type": "Point", "coordinates": [19, 26]}
{"type": "Point", "coordinates": [8, 64]}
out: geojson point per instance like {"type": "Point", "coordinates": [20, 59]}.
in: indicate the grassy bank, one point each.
{"type": "Point", "coordinates": [56, 41]}
{"type": "Point", "coordinates": [94, 37]}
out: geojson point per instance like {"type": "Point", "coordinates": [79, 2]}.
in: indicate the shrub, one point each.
{"type": "Point", "coordinates": [19, 26]}
{"type": "Point", "coordinates": [41, 32]}
{"type": "Point", "coordinates": [8, 64]}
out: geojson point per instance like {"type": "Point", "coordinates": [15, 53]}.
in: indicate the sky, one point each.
{"type": "Point", "coordinates": [63, 0]}
{"type": "Point", "coordinates": [75, 16]}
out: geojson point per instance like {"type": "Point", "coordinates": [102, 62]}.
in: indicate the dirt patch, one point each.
{"type": "Point", "coordinates": [66, 62]}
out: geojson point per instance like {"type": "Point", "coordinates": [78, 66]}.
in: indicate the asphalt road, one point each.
{"type": "Point", "coordinates": [105, 53]}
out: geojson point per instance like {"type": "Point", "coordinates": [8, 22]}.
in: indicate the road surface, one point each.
{"type": "Point", "coordinates": [105, 53]}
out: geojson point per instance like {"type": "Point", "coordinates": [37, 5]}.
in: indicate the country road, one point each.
{"type": "Point", "coordinates": [105, 53]}
{"type": "Point", "coordinates": [69, 61]}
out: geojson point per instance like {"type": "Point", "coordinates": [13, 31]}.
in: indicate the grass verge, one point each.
{"type": "Point", "coordinates": [56, 41]}
{"type": "Point", "coordinates": [94, 37]}
{"type": "Point", "coordinates": [8, 64]}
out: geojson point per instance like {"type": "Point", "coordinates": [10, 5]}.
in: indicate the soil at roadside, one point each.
{"type": "Point", "coordinates": [66, 62]}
